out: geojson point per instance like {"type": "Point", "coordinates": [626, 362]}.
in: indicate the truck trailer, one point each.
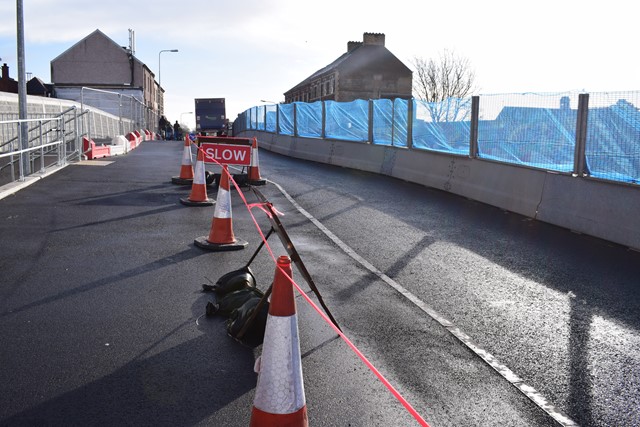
{"type": "Point", "coordinates": [211, 117]}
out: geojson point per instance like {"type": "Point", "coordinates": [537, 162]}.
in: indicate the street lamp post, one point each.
{"type": "Point", "coordinates": [182, 114]}
{"type": "Point", "coordinates": [159, 74]}
{"type": "Point", "coordinates": [160, 81]}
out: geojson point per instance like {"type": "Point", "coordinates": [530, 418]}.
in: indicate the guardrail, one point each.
{"type": "Point", "coordinates": [49, 142]}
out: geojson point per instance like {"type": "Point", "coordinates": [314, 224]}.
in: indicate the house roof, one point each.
{"type": "Point", "coordinates": [358, 57]}
{"type": "Point", "coordinates": [96, 33]}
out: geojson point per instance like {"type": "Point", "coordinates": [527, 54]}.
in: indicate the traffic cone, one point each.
{"type": "Point", "coordinates": [221, 237]}
{"type": "Point", "coordinates": [186, 169]}
{"type": "Point", "coordinates": [279, 399]}
{"type": "Point", "coordinates": [253, 174]}
{"type": "Point", "coordinates": [198, 196]}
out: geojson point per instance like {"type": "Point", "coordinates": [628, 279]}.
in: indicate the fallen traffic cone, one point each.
{"type": "Point", "coordinates": [186, 169]}
{"type": "Point", "coordinates": [279, 399]}
{"type": "Point", "coordinates": [221, 237]}
{"type": "Point", "coordinates": [253, 174]}
{"type": "Point", "coordinates": [198, 196]}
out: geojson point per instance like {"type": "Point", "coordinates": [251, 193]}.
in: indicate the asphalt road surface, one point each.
{"type": "Point", "coordinates": [102, 315]}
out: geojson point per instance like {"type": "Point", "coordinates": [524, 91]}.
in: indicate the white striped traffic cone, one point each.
{"type": "Point", "coordinates": [279, 398]}
{"type": "Point", "coordinates": [221, 237]}
{"type": "Point", "coordinates": [198, 196]}
{"type": "Point", "coordinates": [186, 169]}
{"type": "Point", "coordinates": [253, 173]}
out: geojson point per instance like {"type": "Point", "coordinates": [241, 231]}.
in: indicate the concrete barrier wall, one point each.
{"type": "Point", "coordinates": [597, 208]}
{"type": "Point", "coordinates": [601, 209]}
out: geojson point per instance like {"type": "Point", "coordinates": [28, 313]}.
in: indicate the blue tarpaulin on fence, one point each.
{"type": "Point", "coordinates": [348, 121]}
{"type": "Point", "coordinates": [534, 130]}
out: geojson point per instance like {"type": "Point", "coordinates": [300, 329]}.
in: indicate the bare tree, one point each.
{"type": "Point", "coordinates": [444, 86]}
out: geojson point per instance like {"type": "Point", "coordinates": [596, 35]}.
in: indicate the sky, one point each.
{"type": "Point", "coordinates": [248, 51]}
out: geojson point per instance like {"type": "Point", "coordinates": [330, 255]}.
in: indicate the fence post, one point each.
{"type": "Point", "coordinates": [277, 119]}
{"type": "Point", "coordinates": [324, 120]}
{"type": "Point", "coordinates": [370, 124]}
{"type": "Point", "coordinates": [120, 114]}
{"type": "Point", "coordinates": [473, 137]}
{"type": "Point", "coordinates": [295, 119]}
{"type": "Point", "coordinates": [579, 156]}
{"type": "Point", "coordinates": [410, 123]}
{"type": "Point", "coordinates": [256, 127]}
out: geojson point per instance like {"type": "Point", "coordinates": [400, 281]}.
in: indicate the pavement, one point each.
{"type": "Point", "coordinates": [102, 310]}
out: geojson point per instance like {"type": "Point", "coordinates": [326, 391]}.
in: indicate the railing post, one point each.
{"type": "Point", "coordinates": [410, 123]}
{"type": "Point", "coordinates": [120, 114]}
{"type": "Point", "coordinates": [370, 124]}
{"type": "Point", "coordinates": [473, 137]}
{"type": "Point", "coordinates": [323, 133]}
{"type": "Point", "coordinates": [41, 146]}
{"type": "Point", "coordinates": [393, 122]}
{"type": "Point", "coordinates": [579, 156]}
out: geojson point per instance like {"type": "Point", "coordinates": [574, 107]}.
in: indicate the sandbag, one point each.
{"type": "Point", "coordinates": [233, 281]}
{"type": "Point", "coordinates": [239, 317]}
{"type": "Point", "coordinates": [226, 304]}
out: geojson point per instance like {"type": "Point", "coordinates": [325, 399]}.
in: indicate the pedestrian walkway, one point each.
{"type": "Point", "coordinates": [100, 300]}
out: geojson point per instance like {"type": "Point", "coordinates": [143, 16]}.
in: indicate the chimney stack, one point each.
{"type": "Point", "coordinates": [373, 39]}
{"type": "Point", "coordinates": [5, 72]}
{"type": "Point", "coordinates": [352, 45]}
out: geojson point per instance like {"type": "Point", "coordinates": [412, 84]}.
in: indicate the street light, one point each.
{"type": "Point", "coordinates": [182, 114]}
{"type": "Point", "coordinates": [165, 50]}
{"type": "Point", "coordinates": [160, 111]}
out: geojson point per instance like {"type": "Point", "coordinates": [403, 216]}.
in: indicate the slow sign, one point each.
{"type": "Point", "coordinates": [227, 154]}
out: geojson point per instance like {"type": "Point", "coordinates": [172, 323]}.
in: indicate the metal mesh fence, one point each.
{"type": "Point", "coordinates": [347, 120]}
{"type": "Point", "coordinates": [613, 136]}
{"type": "Point", "coordinates": [442, 126]}
{"type": "Point", "coordinates": [390, 122]}
{"type": "Point", "coordinates": [538, 130]}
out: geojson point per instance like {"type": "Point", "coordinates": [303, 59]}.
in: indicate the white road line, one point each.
{"type": "Point", "coordinates": [538, 399]}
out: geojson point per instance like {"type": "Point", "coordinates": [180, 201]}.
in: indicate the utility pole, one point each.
{"type": "Point", "coordinates": [25, 164]}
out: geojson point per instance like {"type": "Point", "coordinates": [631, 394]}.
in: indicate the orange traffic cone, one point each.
{"type": "Point", "coordinates": [253, 174]}
{"type": "Point", "coordinates": [221, 237]}
{"type": "Point", "coordinates": [279, 399]}
{"type": "Point", "coordinates": [186, 169]}
{"type": "Point", "coordinates": [198, 196]}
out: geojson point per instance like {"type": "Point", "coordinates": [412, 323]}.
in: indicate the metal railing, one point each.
{"type": "Point", "coordinates": [49, 143]}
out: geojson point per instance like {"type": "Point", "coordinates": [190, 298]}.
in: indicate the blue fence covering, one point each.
{"type": "Point", "coordinates": [442, 126]}
{"type": "Point", "coordinates": [537, 130]}
{"type": "Point", "coordinates": [390, 118]}
{"type": "Point", "coordinates": [260, 125]}
{"type": "Point", "coordinates": [348, 121]}
{"type": "Point", "coordinates": [613, 137]}
{"type": "Point", "coordinates": [271, 113]}
{"type": "Point", "coordinates": [309, 119]}
{"type": "Point", "coordinates": [532, 129]}
{"type": "Point", "coordinates": [285, 119]}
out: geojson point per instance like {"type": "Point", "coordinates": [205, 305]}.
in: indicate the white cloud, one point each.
{"type": "Point", "coordinates": [249, 50]}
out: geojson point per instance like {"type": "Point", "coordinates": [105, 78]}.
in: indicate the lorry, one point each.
{"type": "Point", "coordinates": [211, 118]}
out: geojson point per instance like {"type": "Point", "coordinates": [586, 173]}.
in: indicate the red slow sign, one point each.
{"type": "Point", "coordinates": [227, 154]}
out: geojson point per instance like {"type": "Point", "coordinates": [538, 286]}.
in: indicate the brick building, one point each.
{"type": "Point", "coordinates": [98, 62]}
{"type": "Point", "coordinates": [7, 84]}
{"type": "Point", "coordinates": [368, 70]}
